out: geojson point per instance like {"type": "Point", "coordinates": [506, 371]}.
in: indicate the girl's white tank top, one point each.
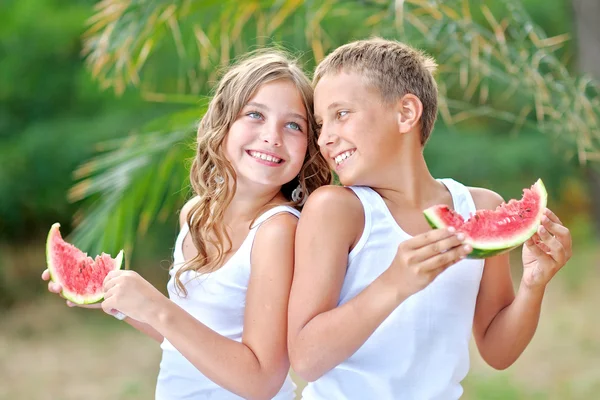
{"type": "Point", "coordinates": [218, 300]}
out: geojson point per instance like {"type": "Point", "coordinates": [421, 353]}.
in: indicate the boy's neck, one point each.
{"type": "Point", "coordinates": [408, 182]}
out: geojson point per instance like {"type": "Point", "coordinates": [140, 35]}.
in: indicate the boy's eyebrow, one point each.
{"type": "Point", "coordinates": [264, 107]}
{"type": "Point", "coordinates": [335, 104]}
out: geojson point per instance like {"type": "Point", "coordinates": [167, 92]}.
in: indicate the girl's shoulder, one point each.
{"type": "Point", "coordinates": [185, 210]}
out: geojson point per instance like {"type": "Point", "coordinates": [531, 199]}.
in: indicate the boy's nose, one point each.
{"type": "Point", "coordinates": [326, 137]}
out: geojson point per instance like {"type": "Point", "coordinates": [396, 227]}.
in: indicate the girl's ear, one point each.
{"type": "Point", "coordinates": [409, 110]}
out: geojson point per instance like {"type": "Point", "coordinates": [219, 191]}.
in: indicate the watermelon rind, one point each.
{"type": "Point", "coordinates": [71, 296]}
{"type": "Point", "coordinates": [492, 248]}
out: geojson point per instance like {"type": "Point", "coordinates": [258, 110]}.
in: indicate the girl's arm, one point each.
{"type": "Point", "coordinates": [146, 329]}
{"type": "Point", "coordinates": [254, 368]}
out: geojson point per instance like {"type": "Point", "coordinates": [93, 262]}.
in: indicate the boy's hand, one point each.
{"type": "Point", "coordinates": [421, 259]}
{"type": "Point", "coordinates": [54, 287]}
{"type": "Point", "coordinates": [546, 252]}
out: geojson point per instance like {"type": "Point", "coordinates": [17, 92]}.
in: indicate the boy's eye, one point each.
{"type": "Point", "coordinates": [294, 126]}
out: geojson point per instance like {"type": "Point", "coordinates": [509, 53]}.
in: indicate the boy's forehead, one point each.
{"type": "Point", "coordinates": [346, 86]}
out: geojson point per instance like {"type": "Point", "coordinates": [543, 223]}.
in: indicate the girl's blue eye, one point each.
{"type": "Point", "coordinates": [295, 126]}
{"type": "Point", "coordinates": [254, 115]}
{"type": "Point", "coordinates": [342, 113]}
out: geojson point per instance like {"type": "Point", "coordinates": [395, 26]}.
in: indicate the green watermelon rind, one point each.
{"type": "Point", "coordinates": [489, 249]}
{"type": "Point", "coordinates": [73, 297]}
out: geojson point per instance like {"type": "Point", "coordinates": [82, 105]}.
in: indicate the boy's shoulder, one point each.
{"type": "Point", "coordinates": [333, 202]}
{"type": "Point", "coordinates": [185, 210]}
{"type": "Point", "coordinates": [485, 199]}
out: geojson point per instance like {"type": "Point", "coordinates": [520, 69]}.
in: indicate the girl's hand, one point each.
{"type": "Point", "coordinates": [132, 295]}
{"type": "Point", "coordinates": [546, 252]}
{"type": "Point", "coordinates": [54, 287]}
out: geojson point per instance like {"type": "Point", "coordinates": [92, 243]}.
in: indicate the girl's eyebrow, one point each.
{"type": "Point", "coordinates": [264, 107]}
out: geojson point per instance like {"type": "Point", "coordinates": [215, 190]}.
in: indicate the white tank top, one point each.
{"type": "Point", "coordinates": [218, 300]}
{"type": "Point", "coordinates": [421, 351]}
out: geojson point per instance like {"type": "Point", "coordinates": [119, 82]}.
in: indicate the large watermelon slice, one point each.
{"type": "Point", "coordinates": [494, 232]}
{"type": "Point", "coordinates": [80, 276]}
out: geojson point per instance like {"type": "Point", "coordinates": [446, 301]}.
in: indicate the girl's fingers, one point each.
{"type": "Point", "coordinates": [54, 287]}
{"type": "Point", "coordinates": [95, 305]}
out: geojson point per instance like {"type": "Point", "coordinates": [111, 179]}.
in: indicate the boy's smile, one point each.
{"type": "Point", "coordinates": [358, 131]}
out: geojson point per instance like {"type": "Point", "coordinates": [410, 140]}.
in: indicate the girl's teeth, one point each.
{"type": "Point", "coordinates": [265, 157]}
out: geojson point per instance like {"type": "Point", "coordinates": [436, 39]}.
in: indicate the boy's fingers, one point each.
{"type": "Point", "coordinates": [560, 232]}
{"type": "Point", "coordinates": [552, 216]}
{"type": "Point", "coordinates": [556, 248]}
{"type": "Point", "coordinates": [429, 237]}
{"type": "Point", "coordinates": [437, 248]}
{"type": "Point", "coordinates": [444, 260]}
{"type": "Point", "coordinates": [555, 228]}
{"type": "Point", "coordinates": [534, 247]}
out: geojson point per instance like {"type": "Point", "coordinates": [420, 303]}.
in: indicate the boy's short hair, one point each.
{"type": "Point", "coordinates": [392, 67]}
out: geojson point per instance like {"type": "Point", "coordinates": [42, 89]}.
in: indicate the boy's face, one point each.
{"type": "Point", "coordinates": [359, 131]}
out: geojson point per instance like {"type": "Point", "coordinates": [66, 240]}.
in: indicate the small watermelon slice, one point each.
{"type": "Point", "coordinates": [80, 276]}
{"type": "Point", "coordinates": [498, 231]}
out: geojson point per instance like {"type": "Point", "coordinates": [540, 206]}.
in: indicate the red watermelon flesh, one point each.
{"type": "Point", "coordinates": [80, 276]}
{"type": "Point", "coordinates": [492, 232]}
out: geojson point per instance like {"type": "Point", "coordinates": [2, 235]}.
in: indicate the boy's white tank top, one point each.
{"type": "Point", "coordinates": [218, 300]}
{"type": "Point", "coordinates": [421, 351]}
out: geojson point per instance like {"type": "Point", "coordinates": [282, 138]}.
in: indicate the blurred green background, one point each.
{"type": "Point", "coordinates": [98, 103]}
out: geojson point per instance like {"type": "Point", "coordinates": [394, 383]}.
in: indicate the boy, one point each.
{"type": "Point", "coordinates": [381, 306]}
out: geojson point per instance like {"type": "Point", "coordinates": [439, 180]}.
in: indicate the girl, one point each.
{"type": "Point", "coordinates": [223, 328]}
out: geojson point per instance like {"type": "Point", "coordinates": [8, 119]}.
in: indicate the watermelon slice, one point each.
{"type": "Point", "coordinates": [80, 276]}
{"type": "Point", "coordinates": [498, 231]}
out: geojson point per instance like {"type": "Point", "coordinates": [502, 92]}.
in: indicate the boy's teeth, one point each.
{"type": "Point", "coordinates": [341, 157]}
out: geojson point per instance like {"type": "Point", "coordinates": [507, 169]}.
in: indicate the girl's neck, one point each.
{"type": "Point", "coordinates": [246, 204]}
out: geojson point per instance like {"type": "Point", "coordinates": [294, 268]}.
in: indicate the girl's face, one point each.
{"type": "Point", "coordinates": [266, 144]}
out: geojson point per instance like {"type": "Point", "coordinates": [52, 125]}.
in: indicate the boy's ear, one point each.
{"type": "Point", "coordinates": [409, 109]}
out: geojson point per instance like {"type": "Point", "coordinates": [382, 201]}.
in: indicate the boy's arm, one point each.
{"type": "Point", "coordinates": [321, 334]}
{"type": "Point", "coordinates": [504, 324]}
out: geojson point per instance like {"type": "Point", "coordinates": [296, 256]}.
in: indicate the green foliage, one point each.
{"type": "Point", "coordinates": [41, 75]}
{"type": "Point", "coordinates": [498, 72]}
{"type": "Point", "coordinates": [503, 163]}
{"type": "Point", "coordinates": [132, 175]}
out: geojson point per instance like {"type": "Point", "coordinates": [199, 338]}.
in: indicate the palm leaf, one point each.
{"type": "Point", "coordinates": [493, 64]}
{"type": "Point", "coordinates": [127, 186]}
